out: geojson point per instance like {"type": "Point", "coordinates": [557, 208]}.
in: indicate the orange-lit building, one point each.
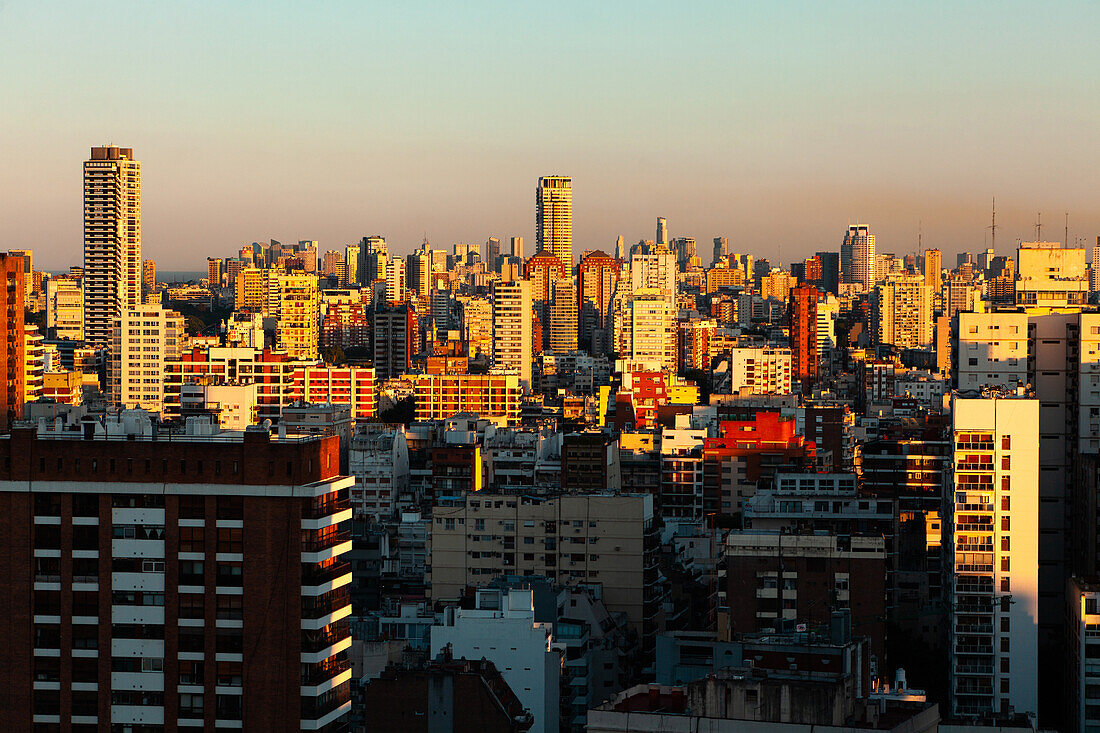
{"type": "Point", "coordinates": [695, 340]}
{"type": "Point", "coordinates": [344, 385]}
{"type": "Point", "coordinates": [347, 326]}
{"type": "Point", "coordinates": [14, 340]}
{"type": "Point", "coordinates": [747, 450]}
{"type": "Point", "coordinates": [803, 315]}
{"type": "Point", "coordinates": [63, 387]}
{"type": "Point", "coordinates": [492, 396]}
{"type": "Point", "coordinates": [597, 275]}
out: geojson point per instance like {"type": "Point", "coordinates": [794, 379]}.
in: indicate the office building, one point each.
{"type": "Point", "coordinates": [857, 257]}
{"type": "Point", "coordinates": [112, 239]}
{"type": "Point", "coordinates": [144, 340]}
{"type": "Point", "coordinates": [517, 247]}
{"type": "Point", "coordinates": [190, 582]}
{"type": "Point", "coordinates": [554, 218]}
{"type": "Point", "coordinates": [991, 536]}
{"type": "Point", "coordinates": [512, 337]}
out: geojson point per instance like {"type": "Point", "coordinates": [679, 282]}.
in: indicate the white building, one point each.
{"type": "Point", "coordinates": [379, 461]}
{"type": "Point", "coordinates": [645, 327]}
{"type": "Point", "coordinates": [991, 539]}
{"type": "Point", "coordinates": [512, 346]}
{"type": "Point", "coordinates": [65, 308]}
{"type": "Point", "coordinates": [762, 370]}
{"type": "Point", "coordinates": [236, 405]}
{"type": "Point", "coordinates": [901, 312]}
{"type": "Point", "coordinates": [502, 629]}
{"type": "Point", "coordinates": [143, 340]}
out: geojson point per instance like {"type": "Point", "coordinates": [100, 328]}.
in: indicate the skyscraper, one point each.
{"type": "Point", "coordinates": [112, 239]}
{"type": "Point", "coordinates": [901, 312]}
{"type": "Point", "coordinates": [517, 246]}
{"type": "Point", "coordinates": [857, 257]}
{"type": "Point", "coordinates": [512, 329]}
{"type": "Point", "coordinates": [492, 252]}
{"type": "Point", "coordinates": [149, 275]}
{"type": "Point", "coordinates": [554, 218]}
{"type": "Point", "coordinates": [662, 231]}
{"type": "Point", "coordinates": [721, 249]}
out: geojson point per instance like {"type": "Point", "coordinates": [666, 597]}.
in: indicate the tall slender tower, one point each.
{"type": "Point", "coordinates": [662, 231]}
{"type": "Point", "coordinates": [112, 239]}
{"type": "Point", "coordinates": [512, 328]}
{"type": "Point", "coordinates": [857, 257]}
{"type": "Point", "coordinates": [554, 218]}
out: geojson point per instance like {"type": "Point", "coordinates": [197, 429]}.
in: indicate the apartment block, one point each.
{"type": "Point", "coordinates": [991, 541]}
{"type": "Point", "coordinates": [346, 385]}
{"type": "Point", "coordinates": [194, 583]}
{"type": "Point", "coordinates": [298, 315]}
{"type": "Point", "coordinates": [143, 341]}
{"type": "Point", "coordinates": [606, 539]}
{"type": "Point", "coordinates": [494, 397]}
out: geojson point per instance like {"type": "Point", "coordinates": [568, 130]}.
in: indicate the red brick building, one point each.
{"type": "Point", "coordinates": [347, 326]}
{"type": "Point", "coordinates": [189, 579]}
{"type": "Point", "coordinates": [803, 316]}
{"type": "Point", "coordinates": [12, 337]}
{"type": "Point", "coordinates": [777, 581]}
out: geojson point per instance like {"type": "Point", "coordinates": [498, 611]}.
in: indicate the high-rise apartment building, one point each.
{"type": "Point", "coordinates": [932, 267]}
{"type": "Point", "coordinates": [195, 582]}
{"type": "Point", "coordinates": [512, 312]}
{"type": "Point", "coordinates": [495, 397]}
{"type": "Point", "coordinates": [645, 328]}
{"type": "Point", "coordinates": [395, 331]}
{"type": "Point", "coordinates": [351, 264]}
{"type": "Point", "coordinates": [375, 257]}
{"type": "Point", "coordinates": [597, 276]}
{"type": "Point", "coordinates": [112, 239]}
{"type": "Point", "coordinates": [1094, 268]}
{"type": "Point", "coordinates": [395, 282]}
{"type": "Point", "coordinates": [143, 341]}
{"type": "Point", "coordinates": [991, 523]}
{"type": "Point", "coordinates": [721, 249]}
{"type": "Point", "coordinates": [563, 316]}
{"type": "Point", "coordinates": [149, 275]}
{"type": "Point", "coordinates": [65, 307]}
{"type": "Point", "coordinates": [901, 312]}
{"type": "Point", "coordinates": [517, 247]}
{"type": "Point", "coordinates": [857, 257]}
{"type": "Point", "coordinates": [1049, 276]}
{"type": "Point", "coordinates": [298, 315]}
{"type": "Point", "coordinates": [12, 334]}
{"type": "Point", "coordinates": [214, 271]}
{"type": "Point", "coordinates": [804, 349]}
{"type": "Point", "coordinates": [554, 218]}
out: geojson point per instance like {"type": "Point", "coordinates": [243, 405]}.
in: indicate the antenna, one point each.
{"type": "Point", "coordinates": [1039, 227]}
{"type": "Point", "coordinates": [1065, 242]}
{"type": "Point", "coordinates": [993, 227]}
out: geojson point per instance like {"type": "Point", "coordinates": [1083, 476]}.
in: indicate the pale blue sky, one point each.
{"type": "Point", "coordinates": [774, 124]}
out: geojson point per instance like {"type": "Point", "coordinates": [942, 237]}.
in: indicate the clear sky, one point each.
{"type": "Point", "coordinates": [772, 123]}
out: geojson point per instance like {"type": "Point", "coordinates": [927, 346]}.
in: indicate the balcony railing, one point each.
{"type": "Point", "coordinates": [313, 575]}
{"type": "Point", "coordinates": [330, 540]}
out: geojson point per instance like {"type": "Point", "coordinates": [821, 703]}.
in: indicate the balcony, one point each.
{"type": "Point", "coordinates": [329, 541]}
{"type": "Point", "coordinates": [313, 575]}
{"type": "Point", "coordinates": [316, 674]}
{"type": "Point", "coordinates": [320, 510]}
{"type": "Point", "coordinates": [323, 605]}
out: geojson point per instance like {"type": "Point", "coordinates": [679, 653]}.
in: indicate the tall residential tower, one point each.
{"type": "Point", "coordinates": [554, 218]}
{"type": "Point", "coordinates": [112, 239]}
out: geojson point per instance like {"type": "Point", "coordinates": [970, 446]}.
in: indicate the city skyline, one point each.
{"type": "Point", "coordinates": [773, 133]}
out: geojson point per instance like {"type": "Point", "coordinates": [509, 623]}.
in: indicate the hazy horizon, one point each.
{"type": "Point", "coordinates": [773, 125]}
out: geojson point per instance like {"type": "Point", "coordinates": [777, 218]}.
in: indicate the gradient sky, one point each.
{"type": "Point", "coordinates": [772, 123]}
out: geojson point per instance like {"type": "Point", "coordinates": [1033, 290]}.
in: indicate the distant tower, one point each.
{"type": "Point", "coordinates": [620, 248]}
{"type": "Point", "coordinates": [554, 218]}
{"type": "Point", "coordinates": [721, 249]}
{"type": "Point", "coordinates": [932, 266]}
{"type": "Point", "coordinates": [517, 247]}
{"type": "Point", "coordinates": [112, 239]}
{"type": "Point", "coordinates": [857, 257]}
{"type": "Point", "coordinates": [662, 231]}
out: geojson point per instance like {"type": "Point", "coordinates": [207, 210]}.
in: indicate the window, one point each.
{"type": "Point", "coordinates": [191, 539]}
{"type": "Point", "coordinates": [230, 539]}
